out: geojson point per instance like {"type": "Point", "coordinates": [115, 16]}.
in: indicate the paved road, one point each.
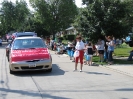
{"type": "Point", "coordinates": [63, 83]}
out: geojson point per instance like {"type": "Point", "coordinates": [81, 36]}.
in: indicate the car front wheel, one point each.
{"type": "Point", "coordinates": [49, 70]}
{"type": "Point", "coordinates": [11, 72]}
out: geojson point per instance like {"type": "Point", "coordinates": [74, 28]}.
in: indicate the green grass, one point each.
{"type": "Point", "coordinates": [122, 51]}
{"type": "Point", "coordinates": [116, 61]}
{"type": "Point", "coordinates": [65, 42]}
{"type": "Point", "coordinates": [96, 60]}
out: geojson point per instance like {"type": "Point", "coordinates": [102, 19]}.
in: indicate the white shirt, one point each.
{"type": "Point", "coordinates": [80, 45]}
{"type": "Point", "coordinates": [101, 46]}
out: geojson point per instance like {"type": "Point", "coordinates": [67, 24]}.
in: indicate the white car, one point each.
{"type": "Point", "coordinates": [29, 54]}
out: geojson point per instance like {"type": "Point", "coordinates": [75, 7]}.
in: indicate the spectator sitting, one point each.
{"type": "Point", "coordinates": [59, 50]}
{"type": "Point", "coordinates": [63, 48]}
{"type": "Point", "coordinates": [130, 56]}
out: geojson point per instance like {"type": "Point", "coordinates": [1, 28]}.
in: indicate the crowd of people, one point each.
{"type": "Point", "coordinates": [85, 51]}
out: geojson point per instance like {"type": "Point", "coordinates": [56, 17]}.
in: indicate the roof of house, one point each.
{"type": "Point", "coordinates": [70, 28]}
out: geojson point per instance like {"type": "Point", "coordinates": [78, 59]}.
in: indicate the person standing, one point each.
{"type": "Point", "coordinates": [130, 56]}
{"type": "Point", "coordinates": [101, 44]}
{"type": "Point", "coordinates": [0, 42]}
{"type": "Point", "coordinates": [69, 50]}
{"type": "Point", "coordinates": [80, 46]}
{"type": "Point", "coordinates": [52, 44]}
{"type": "Point", "coordinates": [110, 45]}
{"type": "Point", "coordinates": [73, 49]}
{"type": "Point", "coordinates": [90, 53]}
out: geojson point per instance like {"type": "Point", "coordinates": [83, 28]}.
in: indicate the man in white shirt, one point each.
{"type": "Point", "coordinates": [101, 45]}
{"type": "Point", "coordinates": [80, 46]}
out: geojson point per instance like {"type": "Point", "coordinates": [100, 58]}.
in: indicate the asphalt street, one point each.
{"type": "Point", "coordinates": [62, 83]}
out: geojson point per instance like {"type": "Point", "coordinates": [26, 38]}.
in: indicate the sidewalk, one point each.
{"type": "Point", "coordinates": [123, 69]}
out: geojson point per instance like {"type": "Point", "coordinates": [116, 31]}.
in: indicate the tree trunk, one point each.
{"type": "Point", "coordinates": [53, 36]}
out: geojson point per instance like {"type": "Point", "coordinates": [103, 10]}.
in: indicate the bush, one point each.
{"type": "Point", "coordinates": [71, 37]}
{"type": "Point", "coordinates": [131, 43]}
{"type": "Point", "coordinates": [65, 37]}
{"type": "Point", "coordinates": [61, 38]}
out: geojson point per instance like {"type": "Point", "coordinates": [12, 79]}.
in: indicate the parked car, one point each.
{"type": "Point", "coordinates": [28, 54]}
{"type": "Point", "coordinates": [24, 34]}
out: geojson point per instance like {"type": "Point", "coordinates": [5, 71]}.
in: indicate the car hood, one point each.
{"type": "Point", "coordinates": [29, 54]}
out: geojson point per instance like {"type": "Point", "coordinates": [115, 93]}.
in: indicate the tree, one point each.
{"type": "Point", "coordinates": [103, 17]}
{"type": "Point", "coordinates": [13, 15]}
{"type": "Point", "coordinates": [56, 15]}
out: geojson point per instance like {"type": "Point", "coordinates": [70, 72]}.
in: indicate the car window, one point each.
{"type": "Point", "coordinates": [28, 43]}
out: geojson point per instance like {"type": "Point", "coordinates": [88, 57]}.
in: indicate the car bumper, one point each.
{"type": "Point", "coordinates": [25, 66]}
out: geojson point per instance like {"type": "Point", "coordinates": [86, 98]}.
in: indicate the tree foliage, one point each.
{"type": "Point", "coordinates": [56, 15]}
{"type": "Point", "coordinates": [13, 15]}
{"type": "Point", "coordinates": [103, 17]}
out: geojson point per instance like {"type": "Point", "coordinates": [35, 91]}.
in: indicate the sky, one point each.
{"type": "Point", "coordinates": [78, 3]}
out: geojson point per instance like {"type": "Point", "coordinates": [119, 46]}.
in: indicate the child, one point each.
{"type": "Point", "coordinates": [72, 53]}
{"type": "Point", "coordinates": [69, 49]}
{"type": "Point", "coordinates": [89, 53]}
{"type": "Point", "coordinates": [61, 50]}
{"type": "Point", "coordinates": [85, 54]}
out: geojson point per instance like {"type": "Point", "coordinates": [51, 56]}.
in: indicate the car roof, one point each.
{"type": "Point", "coordinates": [28, 38]}
{"type": "Point", "coordinates": [24, 33]}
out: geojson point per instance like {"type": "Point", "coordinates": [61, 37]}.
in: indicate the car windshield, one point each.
{"type": "Point", "coordinates": [28, 43]}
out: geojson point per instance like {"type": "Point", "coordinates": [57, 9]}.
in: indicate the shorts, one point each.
{"type": "Point", "coordinates": [101, 51]}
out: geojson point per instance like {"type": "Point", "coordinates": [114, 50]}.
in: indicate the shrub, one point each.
{"type": "Point", "coordinates": [71, 37]}
{"type": "Point", "coordinates": [61, 38]}
{"type": "Point", "coordinates": [65, 37]}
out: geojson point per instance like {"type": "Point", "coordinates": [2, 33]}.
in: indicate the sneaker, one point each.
{"type": "Point", "coordinates": [74, 70]}
{"type": "Point", "coordinates": [80, 70]}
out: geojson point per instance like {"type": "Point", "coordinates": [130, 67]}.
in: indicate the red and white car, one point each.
{"type": "Point", "coordinates": [29, 54]}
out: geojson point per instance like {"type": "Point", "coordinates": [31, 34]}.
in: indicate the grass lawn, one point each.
{"type": "Point", "coordinates": [65, 42]}
{"type": "Point", "coordinates": [120, 52]}
{"type": "Point", "coordinates": [96, 60]}
{"type": "Point", "coordinates": [116, 61]}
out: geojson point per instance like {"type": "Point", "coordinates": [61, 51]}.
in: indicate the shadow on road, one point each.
{"type": "Point", "coordinates": [56, 71]}
{"type": "Point", "coordinates": [125, 89]}
{"type": "Point", "coordinates": [29, 93]}
{"type": "Point", "coordinates": [96, 73]}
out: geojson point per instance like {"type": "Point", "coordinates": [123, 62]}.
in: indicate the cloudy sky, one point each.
{"type": "Point", "coordinates": [78, 2]}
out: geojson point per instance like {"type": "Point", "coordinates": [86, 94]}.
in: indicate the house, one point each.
{"type": "Point", "coordinates": [71, 30]}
